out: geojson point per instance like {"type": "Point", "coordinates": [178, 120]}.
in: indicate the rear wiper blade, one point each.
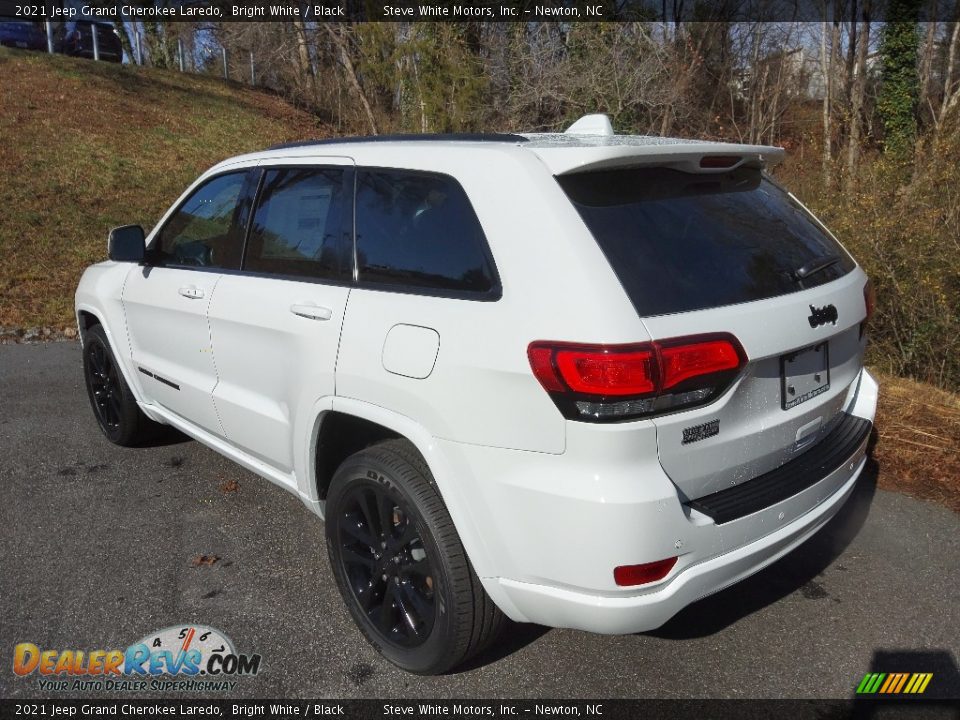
{"type": "Point", "coordinates": [815, 266]}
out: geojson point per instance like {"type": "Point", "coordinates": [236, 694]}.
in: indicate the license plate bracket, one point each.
{"type": "Point", "coordinates": [804, 374]}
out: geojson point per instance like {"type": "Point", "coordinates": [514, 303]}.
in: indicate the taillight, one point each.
{"type": "Point", "coordinates": [691, 360]}
{"type": "Point", "coordinates": [627, 575]}
{"type": "Point", "coordinates": [620, 371]}
{"type": "Point", "coordinates": [603, 383]}
{"type": "Point", "coordinates": [870, 302]}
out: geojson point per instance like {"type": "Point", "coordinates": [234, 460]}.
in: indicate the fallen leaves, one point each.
{"type": "Point", "coordinates": [201, 560]}
{"type": "Point", "coordinates": [919, 437]}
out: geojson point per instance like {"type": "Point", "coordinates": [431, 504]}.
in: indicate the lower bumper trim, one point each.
{"type": "Point", "coordinates": [829, 454]}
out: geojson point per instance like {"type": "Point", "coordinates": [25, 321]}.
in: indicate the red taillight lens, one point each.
{"type": "Point", "coordinates": [683, 362]}
{"type": "Point", "coordinates": [627, 575]}
{"type": "Point", "coordinates": [602, 383]}
{"type": "Point", "coordinates": [608, 371]}
{"type": "Point", "coordinates": [541, 362]}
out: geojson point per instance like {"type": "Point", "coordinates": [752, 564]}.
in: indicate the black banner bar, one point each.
{"type": "Point", "coordinates": [471, 709]}
{"type": "Point", "coordinates": [552, 11]}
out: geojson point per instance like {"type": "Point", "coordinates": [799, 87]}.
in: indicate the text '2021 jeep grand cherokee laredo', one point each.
{"type": "Point", "coordinates": [579, 380]}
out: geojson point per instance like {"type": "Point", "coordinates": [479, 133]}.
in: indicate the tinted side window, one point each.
{"type": "Point", "coordinates": [299, 224]}
{"type": "Point", "coordinates": [419, 230]}
{"type": "Point", "coordinates": [202, 232]}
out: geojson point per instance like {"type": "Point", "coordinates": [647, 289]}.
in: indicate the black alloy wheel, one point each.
{"type": "Point", "coordinates": [386, 564]}
{"type": "Point", "coordinates": [114, 406]}
{"type": "Point", "coordinates": [105, 389]}
{"type": "Point", "coordinates": [400, 565]}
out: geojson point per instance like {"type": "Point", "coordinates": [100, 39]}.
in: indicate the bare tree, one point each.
{"type": "Point", "coordinates": [826, 71]}
{"type": "Point", "coordinates": [337, 34]}
{"type": "Point", "coordinates": [857, 92]}
{"type": "Point", "coordinates": [951, 83]}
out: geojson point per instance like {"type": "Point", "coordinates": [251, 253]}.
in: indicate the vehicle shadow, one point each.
{"type": "Point", "coordinates": [514, 637]}
{"type": "Point", "coordinates": [795, 571]}
{"type": "Point", "coordinates": [163, 436]}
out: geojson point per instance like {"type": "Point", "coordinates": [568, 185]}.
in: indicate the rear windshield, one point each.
{"type": "Point", "coordinates": [680, 241]}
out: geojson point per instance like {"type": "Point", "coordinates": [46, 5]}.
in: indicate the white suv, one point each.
{"type": "Point", "coordinates": [579, 380]}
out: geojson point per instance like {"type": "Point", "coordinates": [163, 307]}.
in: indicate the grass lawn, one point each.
{"type": "Point", "coordinates": [86, 146]}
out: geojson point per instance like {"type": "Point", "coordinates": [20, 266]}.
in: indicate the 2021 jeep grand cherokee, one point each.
{"type": "Point", "coordinates": [580, 380]}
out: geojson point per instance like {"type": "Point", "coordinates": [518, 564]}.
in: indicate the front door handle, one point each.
{"type": "Point", "coordinates": [192, 292]}
{"type": "Point", "coordinates": [312, 312]}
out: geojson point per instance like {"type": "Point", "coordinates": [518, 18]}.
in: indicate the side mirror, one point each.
{"type": "Point", "coordinates": [127, 244]}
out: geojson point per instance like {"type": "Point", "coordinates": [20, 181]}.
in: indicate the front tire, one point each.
{"type": "Point", "coordinates": [400, 565]}
{"type": "Point", "coordinates": [113, 403]}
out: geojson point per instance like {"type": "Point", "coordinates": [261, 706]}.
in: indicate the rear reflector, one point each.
{"type": "Point", "coordinates": [627, 575]}
{"type": "Point", "coordinates": [604, 383]}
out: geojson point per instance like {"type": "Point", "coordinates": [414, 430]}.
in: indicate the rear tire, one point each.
{"type": "Point", "coordinates": [114, 406]}
{"type": "Point", "coordinates": [399, 563]}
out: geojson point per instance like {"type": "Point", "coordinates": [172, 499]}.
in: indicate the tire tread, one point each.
{"type": "Point", "coordinates": [478, 621]}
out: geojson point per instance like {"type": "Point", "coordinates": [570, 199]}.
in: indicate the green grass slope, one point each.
{"type": "Point", "coordinates": [86, 146]}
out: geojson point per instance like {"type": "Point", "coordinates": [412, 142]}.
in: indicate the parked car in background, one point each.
{"type": "Point", "coordinates": [580, 380]}
{"type": "Point", "coordinates": [76, 38]}
{"type": "Point", "coordinates": [24, 34]}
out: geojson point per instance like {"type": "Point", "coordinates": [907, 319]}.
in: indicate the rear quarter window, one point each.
{"type": "Point", "coordinates": [418, 231]}
{"type": "Point", "coordinates": [680, 242]}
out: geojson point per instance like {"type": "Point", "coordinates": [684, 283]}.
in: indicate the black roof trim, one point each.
{"type": "Point", "coordinates": [408, 137]}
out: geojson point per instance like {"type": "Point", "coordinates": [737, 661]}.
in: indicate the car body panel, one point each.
{"type": "Point", "coordinates": [755, 433]}
{"type": "Point", "coordinates": [545, 507]}
{"type": "Point", "coordinates": [170, 339]}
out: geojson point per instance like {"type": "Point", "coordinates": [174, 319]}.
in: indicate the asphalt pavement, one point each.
{"type": "Point", "coordinates": [99, 544]}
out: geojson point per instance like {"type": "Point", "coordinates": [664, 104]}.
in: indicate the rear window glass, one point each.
{"type": "Point", "coordinates": [680, 241]}
{"type": "Point", "coordinates": [418, 230]}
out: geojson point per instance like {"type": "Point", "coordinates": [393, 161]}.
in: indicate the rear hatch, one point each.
{"type": "Point", "coordinates": [732, 252]}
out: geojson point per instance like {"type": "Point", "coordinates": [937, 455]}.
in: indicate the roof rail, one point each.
{"type": "Point", "coordinates": [408, 137]}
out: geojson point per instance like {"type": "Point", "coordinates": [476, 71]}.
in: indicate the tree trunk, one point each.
{"type": "Point", "coordinates": [826, 70]}
{"type": "Point", "coordinates": [951, 95]}
{"type": "Point", "coordinates": [926, 66]}
{"type": "Point", "coordinates": [344, 50]}
{"type": "Point", "coordinates": [856, 99]}
{"type": "Point", "coordinates": [852, 48]}
{"type": "Point", "coordinates": [756, 85]}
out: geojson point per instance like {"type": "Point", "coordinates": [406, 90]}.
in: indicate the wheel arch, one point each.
{"type": "Point", "coordinates": [376, 420]}
{"type": "Point", "coordinates": [89, 316]}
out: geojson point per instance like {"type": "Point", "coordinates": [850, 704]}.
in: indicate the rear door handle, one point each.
{"type": "Point", "coordinates": [192, 292]}
{"type": "Point", "coordinates": [312, 312]}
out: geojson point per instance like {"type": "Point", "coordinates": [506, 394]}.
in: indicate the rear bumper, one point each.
{"type": "Point", "coordinates": [559, 565]}
{"type": "Point", "coordinates": [557, 607]}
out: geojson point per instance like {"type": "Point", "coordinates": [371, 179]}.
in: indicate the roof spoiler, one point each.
{"type": "Point", "coordinates": [591, 144]}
